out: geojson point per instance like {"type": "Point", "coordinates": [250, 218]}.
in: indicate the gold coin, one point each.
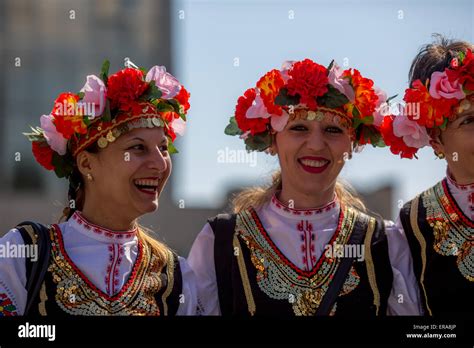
{"type": "Point", "coordinates": [116, 133]}
{"type": "Point", "coordinates": [110, 137]}
{"type": "Point", "coordinates": [156, 122]}
{"type": "Point", "coordinates": [102, 142]}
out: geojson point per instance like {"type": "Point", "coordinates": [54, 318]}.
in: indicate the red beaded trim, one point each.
{"type": "Point", "coordinates": [307, 248]}
{"type": "Point", "coordinates": [303, 212]}
{"type": "Point", "coordinates": [459, 186]}
{"type": "Point", "coordinates": [94, 133]}
{"type": "Point", "coordinates": [454, 205]}
{"type": "Point", "coordinates": [77, 216]}
{"type": "Point", "coordinates": [129, 282]}
{"type": "Point", "coordinates": [283, 258]}
{"type": "Point", "coordinates": [113, 267]}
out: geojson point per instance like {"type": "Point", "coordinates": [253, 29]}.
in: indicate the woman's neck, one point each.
{"type": "Point", "coordinates": [460, 177]}
{"type": "Point", "coordinates": [299, 200]}
{"type": "Point", "coordinates": [109, 219]}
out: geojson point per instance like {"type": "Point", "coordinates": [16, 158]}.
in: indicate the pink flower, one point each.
{"type": "Point", "coordinates": [285, 67]}
{"type": "Point", "coordinates": [412, 133]}
{"type": "Point", "coordinates": [340, 83]}
{"type": "Point", "coordinates": [178, 125]}
{"type": "Point", "coordinates": [441, 87]}
{"type": "Point", "coordinates": [381, 108]}
{"type": "Point", "coordinates": [257, 109]}
{"type": "Point", "coordinates": [279, 122]}
{"type": "Point", "coordinates": [166, 82]}
{"type": "Point", "coordinates": [55, 139]}
{"type": "Point", "coordinates": [94, 93]}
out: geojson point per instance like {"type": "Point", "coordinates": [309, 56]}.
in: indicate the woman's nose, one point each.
{"type": "Point", "coordinates": [315, 140]}
{"type": "Point", "coordinates": [158, 161]}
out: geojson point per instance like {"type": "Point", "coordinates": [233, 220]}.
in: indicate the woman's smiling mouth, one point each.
{"type": "Point", "coordinates": [313, 164]}
{"type": "Point", "coordinates": [147, 185]}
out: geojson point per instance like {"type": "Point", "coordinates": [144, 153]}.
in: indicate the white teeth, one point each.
{"type": "Point", "coordinates": [311, 163]}
{"type": "Point", "coordinates": [146, 182]}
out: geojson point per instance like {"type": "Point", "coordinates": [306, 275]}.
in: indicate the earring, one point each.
{"type": "Point", "coordinates": [89, 177]}
{"type": "Point", "coordinates": [440, 155]}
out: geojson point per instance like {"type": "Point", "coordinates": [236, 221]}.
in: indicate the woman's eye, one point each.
{"type": "Point", "coordinates": [333, 130]}
{"type": "Point", "coordinates": [467, 120]}
{"type": "Point", "coordinates": [136, 147]}
{"type": "Point", "coordinates": [299, 128]}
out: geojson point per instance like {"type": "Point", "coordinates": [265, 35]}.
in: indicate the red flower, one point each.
{"type": "Point", "coordinates": [464, 73]}
{"type": "Point", "coordinates": [397, 145]}
{"type": "Point", "coordinates": [125, 86]}
{"type": "Point", "coordinates": [168, 117]}
{"type": "Point", "coordinates": [183, 98]}
{"type": "Point", "coordinates": [68, 118]}
{"type": "Point", "coordinates": [254, 125]}
{"type": "Point", "coordinates": [43, 154]}
{"type": "Point", "coordinates": [269, 86]}
{"type": "Point", "coordinates": [309, 80]}
{"type": "Point", "coordinates": [365, 98]}
{"type": "Point", "coordinates": [432, 112]}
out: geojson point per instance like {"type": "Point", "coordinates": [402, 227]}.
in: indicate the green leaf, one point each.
{"type": "Point", "coordinates": [445, 123]}
{"type": "Point", "coordinates": [164, 107]}
{"type": "Point", "coordinates": [152, 92]}
{"type": "Point", "coordinates": [391, 98]}
{"type": "Point", "coordinates": [232, 128]}
{"type": "Point", "coordinates": [81, 95]}
{"type": "Point", "coordinates": [36, 134]}
{"type": "Point", "coordinates": [87, 122]}
{"type": "Point", "coordinates": [107, 115]}
{"type": "Point", "coordinates": [104, 71]}
{"type": "Point", "coordinates": [355, 112]}
{"type": "Point", "coordinates": [175, 105]}
{"type": "Point", "coordinates": [284, 99]}
{"type": "Point", "coordinates": [62, 165]}
{"type": "Point", "coordinates": [330, 66]}
{"type": "Point", "coordinates": [258, 142]}
{"type": "Point", "coordinates": [333, 98]}
{"type": "Point", "coordinates": [171, 148]}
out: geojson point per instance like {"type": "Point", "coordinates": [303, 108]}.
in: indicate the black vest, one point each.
{"type": "Point", "coordinates": [66, 291]}
{"type": "Point", "coordinates": [443, 288]}
{"type": "Point", "coordinates": [241, 295]}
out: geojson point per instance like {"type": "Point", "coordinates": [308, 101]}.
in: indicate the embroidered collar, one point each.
{"type": "Point", "coordinates": [452, 183]}
{"type": "Point", "coordinates": [327, 210]}
{"type": "Point", "coordinates": [79, 223]}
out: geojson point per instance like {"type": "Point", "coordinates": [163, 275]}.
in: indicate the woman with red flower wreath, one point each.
{"type": "Point", "coordinates": [439, 222]}
{"type": "Point", "coordinates": [285, 250]}
{"type": "Point", "coordinates": [113, 142]}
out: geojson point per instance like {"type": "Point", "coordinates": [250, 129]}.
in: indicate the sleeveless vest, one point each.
{"type": "Point", "coordinates": [441, 240]}
{"type": "Point", "coordinates": [255, 278]}
{"type": "Point", "coordinates": [65, 290]}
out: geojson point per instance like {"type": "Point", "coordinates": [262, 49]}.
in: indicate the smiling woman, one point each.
{"type": "Point", "coordinates": [100, 261]}
{"type": "Point", "coordinates": [273, 255]}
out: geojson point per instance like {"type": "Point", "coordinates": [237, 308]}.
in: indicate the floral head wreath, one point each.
{"type": "Point", "coordinates": [105, 108]}
{"type": "Point", "coordinates": [429, 106]}
{"type": "Point", "coordinates": [305, 89]}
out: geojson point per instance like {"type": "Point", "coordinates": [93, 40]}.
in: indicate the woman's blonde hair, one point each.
{"type": "Point", "coordinates": [256, 197]}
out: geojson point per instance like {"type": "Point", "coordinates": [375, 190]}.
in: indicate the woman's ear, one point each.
{"type": "Point", "coordinates": [84, 163]}
{"type": "Point", "coordinates": [437, 145]}
{"type": "Point", "coordinates": [273, 150]}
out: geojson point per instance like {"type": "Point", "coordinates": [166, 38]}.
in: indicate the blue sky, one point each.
{"type": "Point", "coordinates": [380, 38]}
